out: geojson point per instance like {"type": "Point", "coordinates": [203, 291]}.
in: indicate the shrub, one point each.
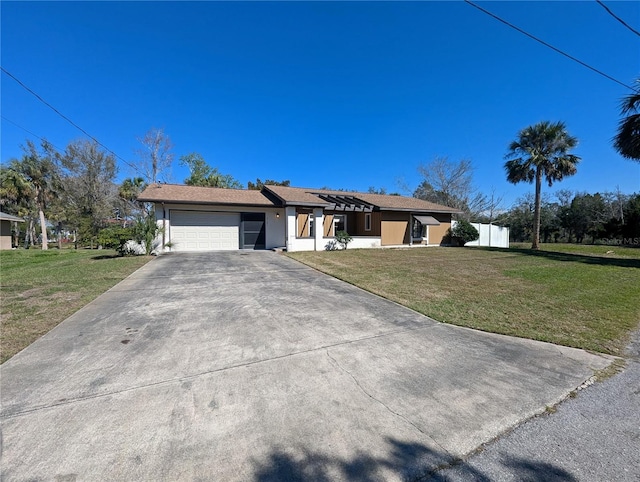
{"type": "Point", "coordinates": [343, 238]}
{"type": "Point", "coordinates": [145, 231]}
{"type": "Point", "coordinates": [463, 232]}
{"type": "Point", "coordinates": [115, 238]}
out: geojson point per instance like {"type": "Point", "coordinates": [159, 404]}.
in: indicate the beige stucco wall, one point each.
{"type": "Point", "coordinates": [438, 233]}
{"type": "Point", "coordinates": [394, 228]}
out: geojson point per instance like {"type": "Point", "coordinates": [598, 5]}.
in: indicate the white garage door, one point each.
{"type": "Point", "coordinates": [202, 231]}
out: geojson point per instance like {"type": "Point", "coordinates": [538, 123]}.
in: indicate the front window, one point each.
{"type": "Point", "coordinates": [312, 225]}
{"type": "Point", "coordinates": [339, 223]}
{"type": "Point", "coordinates": [367, 222]}
{"type": "Point", "coordinates": [418, 229]}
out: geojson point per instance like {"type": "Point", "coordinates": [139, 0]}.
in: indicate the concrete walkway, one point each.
{"type": "Point", "coordinates": [251, 366]}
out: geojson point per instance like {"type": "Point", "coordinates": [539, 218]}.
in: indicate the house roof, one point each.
{"type": "Point", "coordinates": [302, 196]}
{"type": "Point", "coordinates": [175, 193]}
{"type": "Point", "coordinates": [297, 196]}
{"type": "Point", "coordinates": [10, 217]}
{"type": "Point", "coordinates": [288, 196]}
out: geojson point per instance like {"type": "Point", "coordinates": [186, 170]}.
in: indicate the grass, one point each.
{"type": "Point", "coordinates": [579, 296]}
{"type": "Point", "coordinates": [40, 289]}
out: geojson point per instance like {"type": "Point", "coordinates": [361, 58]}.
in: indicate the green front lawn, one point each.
{"type": "Point", "coordinates": [42, 288]}
{"type": "Point", "coordinates": [578, 296]}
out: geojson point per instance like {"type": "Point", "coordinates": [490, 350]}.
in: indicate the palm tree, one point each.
{"type": "Point", "coordinates": [627, 141]}
{"type": "Point", "coordinates": [128, 193]}
{"type": "Point", "coordinates": [16, 197]}
{"type": "Point", "coordinates": [541, 150]}
{"type": "Point", "coordinates": [34, 175]}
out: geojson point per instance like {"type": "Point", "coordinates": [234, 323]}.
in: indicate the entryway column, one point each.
{"type": "Point", "coordinates": [318, 226]}
{"type": "Point", "coordinates": [290, 215]}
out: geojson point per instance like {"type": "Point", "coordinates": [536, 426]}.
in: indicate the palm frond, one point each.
{"type": "Point", "coordinates": [627, 141]}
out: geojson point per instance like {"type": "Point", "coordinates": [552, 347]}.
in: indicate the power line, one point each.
{"type": "Point", "coordinates": [550, 46]}
{"type": "Point", "coordinates": [28, 131]}
{"type": "Point", "coordinates": [618, 18]}
{"type": "Point", "coordinates": [67, 119]}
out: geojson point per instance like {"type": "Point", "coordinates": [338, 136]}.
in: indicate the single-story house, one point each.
{"type": "Point", "coordinates": [5, 229]}
{"type": "Point", "coordinates": [296, 219]}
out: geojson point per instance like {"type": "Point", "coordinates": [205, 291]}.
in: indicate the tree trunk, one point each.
{"type": "Point", "coordinates": [29, 234]}
{"type": "Point", "coordinates": [43, 229]}
{"type": "Point", "coordinates": [536, 213]}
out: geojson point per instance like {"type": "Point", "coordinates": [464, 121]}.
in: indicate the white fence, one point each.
{"type": "Point", "coordinates": [490, 235]}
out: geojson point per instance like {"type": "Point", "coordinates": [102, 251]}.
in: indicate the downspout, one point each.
{"type": "Point", "coordinates": [164, 226]}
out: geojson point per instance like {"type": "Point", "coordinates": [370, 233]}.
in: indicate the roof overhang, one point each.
{"type": "Point", "coordinates": [414, 210]}
{"type": "Point", "coordinates": [308, 205]}
{"type": "Point", "coordinates": [10, 217]}
{"type": "Point", "coordinates": [211, 203]}
{"type": "Point", "coordinates": [426, 220]}
{"type": "Point", "coordinates": [339, 202]}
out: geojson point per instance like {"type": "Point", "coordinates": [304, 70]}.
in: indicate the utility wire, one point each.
{"type": "Point", "coordinates": [550, 46]}
{"type": "Point", "coordinates": [67, 119]}
{"type": "Point", "coordinates": [618, 18]}
{"type": "Point", "coordinates": [28, 131]}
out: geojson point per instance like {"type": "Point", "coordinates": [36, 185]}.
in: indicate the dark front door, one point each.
{"type": "Point", "coordinates": [252, 232]}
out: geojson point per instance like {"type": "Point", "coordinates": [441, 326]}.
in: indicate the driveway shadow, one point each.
{"type": "Point", "coordinates": [409, 461]}
{"type": "Point", "coordinates": [535, 471]}
{"type": "Point", "coordinates": [570, 257]}
{"type": "Point", "coordinates": [405, 460]}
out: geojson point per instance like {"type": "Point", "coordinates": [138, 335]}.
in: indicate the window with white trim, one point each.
{"type": "Point", "coordinates": [339, 223]}
{"type": "Point", "coordinates": [367, 221]}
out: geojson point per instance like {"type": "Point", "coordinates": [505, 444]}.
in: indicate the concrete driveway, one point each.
{"type": "Point", "coordinates": [251, 366]}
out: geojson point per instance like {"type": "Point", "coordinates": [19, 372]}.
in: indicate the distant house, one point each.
{"type": "Point", "coordinates": [297, 219]}
{"type": "Point", "coordinates": [5, 229]}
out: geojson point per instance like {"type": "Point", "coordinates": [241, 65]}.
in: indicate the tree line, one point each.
{"type": "Point", "coordinates": [577, 217]}
{"type": "Point", "coordinates": [540, 152]}
{"type": "Point", "coordinates": [72, 191]}
{"type": "Point", "coordinates": [75, 190]}
{"type": "Point", "coordinates": [73, 194]}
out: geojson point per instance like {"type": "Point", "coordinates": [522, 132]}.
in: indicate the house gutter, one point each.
{"type": "Point", "coordinates": [422, 211]}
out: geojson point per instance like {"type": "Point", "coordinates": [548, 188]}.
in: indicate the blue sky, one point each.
{"type": "Point", "coordinates": [346, 95]}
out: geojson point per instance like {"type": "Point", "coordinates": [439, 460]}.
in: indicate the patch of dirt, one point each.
{"type": "Point", "coordinates": [31, 293]}
{"type": "Point", "coordinates": [64, 296]}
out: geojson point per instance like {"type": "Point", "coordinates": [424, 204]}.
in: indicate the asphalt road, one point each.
{"type": "Point", "coordinates": [592, 437]}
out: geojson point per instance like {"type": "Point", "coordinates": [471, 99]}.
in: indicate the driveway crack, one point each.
{"type": "Point", "coordinates": [8, 413]}
{"type": "Point", "coordinates": [380, 402]}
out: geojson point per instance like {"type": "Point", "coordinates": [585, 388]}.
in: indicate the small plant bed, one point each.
{"type": "Point", "coordinates": [585, 298]}
{"type": "Point", "coordinates": [40, 289]}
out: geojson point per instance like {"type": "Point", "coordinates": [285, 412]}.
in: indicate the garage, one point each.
{"type": "Point", "coordinates": [204, 231]}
